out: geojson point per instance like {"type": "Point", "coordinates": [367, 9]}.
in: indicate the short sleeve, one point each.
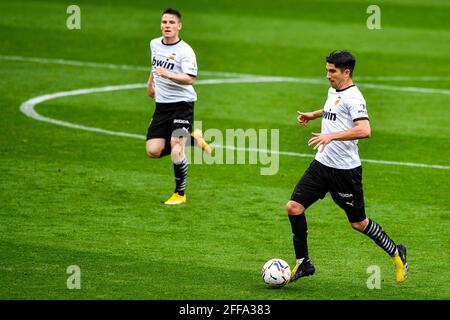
{"type": "Point", "coordinates": [152, 45]}
{"type": "Point", "coordinates": [357, 108]}
{"type": "Point", "coordinates": [152, 50]}
{"type": "Point", "coordinates": [189, 64]}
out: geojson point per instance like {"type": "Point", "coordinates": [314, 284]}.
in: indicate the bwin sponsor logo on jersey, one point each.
{"type": "Point", "coordinates": [164, 64]}
{"type": "Point", "coordinates": [329, 115]}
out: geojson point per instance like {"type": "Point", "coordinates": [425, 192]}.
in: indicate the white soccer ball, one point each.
{"type": "Point", "coordinates": [276, 273]}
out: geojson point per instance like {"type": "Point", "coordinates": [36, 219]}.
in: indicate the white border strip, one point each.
{"type": "Point", "coordinates": [27, 108]}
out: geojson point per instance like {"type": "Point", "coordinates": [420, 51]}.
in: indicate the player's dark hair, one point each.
{"type": "Point", "coordinates": [342, 59]}
{"type": "Point", "coordinates": [172, 11]}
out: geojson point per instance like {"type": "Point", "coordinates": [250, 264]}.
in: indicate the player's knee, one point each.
{"type": "Point", "coordinates": [294, 208]}
{"type": "Point", "coordinates": [359, 226]}
{"type": "Point", "coordinates": [153, 152]}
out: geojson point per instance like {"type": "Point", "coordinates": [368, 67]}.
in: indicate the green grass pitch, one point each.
{"type": "Point", "coordinates": [73, 197]}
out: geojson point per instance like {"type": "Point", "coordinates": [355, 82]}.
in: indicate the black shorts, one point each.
{"type": "Point", "coordinates": [345, 187]}
{"type": "Point", "coordinates": [171, 119]}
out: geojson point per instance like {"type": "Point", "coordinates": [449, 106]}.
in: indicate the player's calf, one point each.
{"type": "Point", "coordinates": [177, 153]}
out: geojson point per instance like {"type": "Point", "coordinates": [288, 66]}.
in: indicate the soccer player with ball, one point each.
{"type": "Point", "coordinates": [174, 70]}
{"type": "Point", "coordinates": [337, 167]}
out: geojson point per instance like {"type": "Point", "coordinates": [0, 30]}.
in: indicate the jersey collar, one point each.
{"type": "Point", "coordinates": [340, 90]}
{"type": "Point", "coordinates": [170, 44]}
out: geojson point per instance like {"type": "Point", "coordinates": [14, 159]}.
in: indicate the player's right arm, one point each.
{"type": "Point", "coordinates": [150, 86]}
{"type": "Point", "coordinates": [304, 117]}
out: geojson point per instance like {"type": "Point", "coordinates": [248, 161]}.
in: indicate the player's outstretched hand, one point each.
{"type": "Point", "coordinates": [319, 141]}
{"type": "Point", "coordinates": [304, 117]}
{"type": "Point", "coordinates": [162, 72]}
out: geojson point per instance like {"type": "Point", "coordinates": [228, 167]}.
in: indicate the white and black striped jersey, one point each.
{"type": "Point", "coordinates": [341, 110]}
{"type": "Point", "coordinates": [178, 58]}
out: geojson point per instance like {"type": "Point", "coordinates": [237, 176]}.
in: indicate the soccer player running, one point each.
{"type": "Point", "coordinates": [174, 70]}
{"type": "Point", "coordinates": [337, 167]}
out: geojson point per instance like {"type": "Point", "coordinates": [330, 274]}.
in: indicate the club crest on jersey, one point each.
{"type": "Point", "coordinates": [337, 101]}
{"type": "Point", "coordinates": [172, 56]}
{"type": "Point", "coordinates": [163, 63]}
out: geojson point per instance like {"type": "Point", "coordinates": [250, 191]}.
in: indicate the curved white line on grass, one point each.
{"type": "Point", "coordinates": [27, 108]}
{"type": "Point", "coordinates": [262, 78]}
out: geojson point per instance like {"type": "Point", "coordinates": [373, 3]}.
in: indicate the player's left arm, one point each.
{"type": "Point", "coordinates": [361, 130]}
{"type": "Point", "coordinates": [180, 78]}
{"type": "Point", "coordinates": [188, 73]}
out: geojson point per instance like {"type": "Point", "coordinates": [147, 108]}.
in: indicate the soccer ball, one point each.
{"type": "Point", "coordinates": [276, 273]}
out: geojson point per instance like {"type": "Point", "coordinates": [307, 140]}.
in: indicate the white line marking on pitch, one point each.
{"type": "Point", "coordinates": [27, 108]}
{"type": "Point", "coordinates": [262, 78]}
